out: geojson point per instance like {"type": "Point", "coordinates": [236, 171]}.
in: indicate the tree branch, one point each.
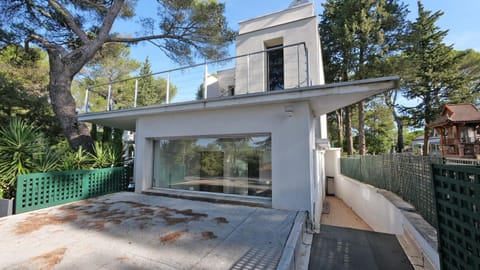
{"type": "Point", "coordinates": [70, 20]}
{"type": "Point", "coordinates": [45, 43]}
{"type": "Point", "coordinates": [109, 20]}
{"type": "Point", "coordinates": [138, 39]}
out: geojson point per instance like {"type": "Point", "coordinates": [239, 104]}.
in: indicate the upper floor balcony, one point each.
{"type": "Point", "coordinates": [277, 68]}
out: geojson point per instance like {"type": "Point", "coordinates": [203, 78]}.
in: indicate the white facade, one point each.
{"type": "Point", "coordinates": [292, 143]}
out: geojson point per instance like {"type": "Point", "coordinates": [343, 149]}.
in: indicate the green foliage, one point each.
{"type": "Point", "coordinates": [111, 63]}
{"type": "Point", "coordinates": [105, 155]}
{"type": "Point", "coordinates": [152, 90]}
{"type": "Point", "coordinates": [19, 145]}
{"type": "Point", "coordinates": [469, 68]}
{"type": "Point", "coordinates": [379, 127]}
{"type": "Point", "coordinates": [72, 32]}
{"type": "Point", "coordinates": [23, 88]}
{"type": "Point", "coordinates": [357, 38]}
{"type": "Point", "coordinates": [434, 76]}
{"type": "Point", "coordinates": [76, 160]}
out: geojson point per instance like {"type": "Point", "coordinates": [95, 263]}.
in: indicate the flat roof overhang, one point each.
{"type": "Point", "coordinates": [323, 99]}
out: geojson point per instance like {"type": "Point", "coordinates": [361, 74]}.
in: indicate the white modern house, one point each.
{"type": "Point", "coordinates": [259, 135]}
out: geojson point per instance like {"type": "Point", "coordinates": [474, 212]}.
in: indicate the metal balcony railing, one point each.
{"type": "Point", "coordinates": [248, 74]}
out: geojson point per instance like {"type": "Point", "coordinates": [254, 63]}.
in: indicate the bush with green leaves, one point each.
{"type": "Point", "coordinates": [22, 150]}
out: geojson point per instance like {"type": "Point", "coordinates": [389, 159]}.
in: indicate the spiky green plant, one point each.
{"type": "Point", "coordinates": [19, 142]}
{"type": "Point", "coordinates": [76, 160]}
{"type": "Point", "coordinates": [105, 155]}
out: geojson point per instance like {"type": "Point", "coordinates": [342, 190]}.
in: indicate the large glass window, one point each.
{"type": "Point", "coordinates": [232, 165]}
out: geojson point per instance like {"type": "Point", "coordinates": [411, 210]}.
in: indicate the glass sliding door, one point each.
{"type": "Point", "coordinates": [232, 165]}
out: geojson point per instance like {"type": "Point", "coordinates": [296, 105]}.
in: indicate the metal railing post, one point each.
{"type": "Point", "coordinates": [205, 82]}
{"type": "Point", "coordinates": [298, 67]}
{"type": "Point", "coordinates": [86, 100]}
{"type": "Point", "coordinates": [135, 97]}
{"type": "Point", "coordinates": [168, 89]}
{"type": "Point", "coordinates": [308, 64]}
{"type": "Point", "coordinates": [248, 73]}
{"type": "Point", "coordinates": [109, 96]}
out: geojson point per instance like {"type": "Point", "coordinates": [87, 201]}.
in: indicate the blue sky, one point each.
{"type": "Point", "coordinates": [461, 18]}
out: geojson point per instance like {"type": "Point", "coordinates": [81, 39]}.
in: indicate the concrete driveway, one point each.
{"type": "Point", "coordinates": [134, 231]}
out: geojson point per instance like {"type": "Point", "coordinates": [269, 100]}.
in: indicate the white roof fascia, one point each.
{"type": "Point", "coordinates": [322, 98]}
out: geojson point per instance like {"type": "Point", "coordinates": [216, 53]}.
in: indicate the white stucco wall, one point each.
{"type": "Point", "coordinates": [294, 25]}
{"type": "Point", "coordinates": [292, 144]}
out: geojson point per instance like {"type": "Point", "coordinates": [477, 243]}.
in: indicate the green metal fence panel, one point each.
{"type": "Point", "coordinates": [457, 197]}
{"type": "Point", "coordinates": [406, 175]}
{"type": "Point", "coordinates": [41, 190]}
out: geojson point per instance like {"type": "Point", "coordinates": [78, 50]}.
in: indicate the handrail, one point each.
{"type": "Point", "coordinates": [108, 96]}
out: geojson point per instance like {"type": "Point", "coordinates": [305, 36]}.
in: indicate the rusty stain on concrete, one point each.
{"type": "Point", "coordinates": [36, 221]}
{"type": "Point", "coordinates": [49, 260]}
{"type": "Point", "coordinates": [172, 237]}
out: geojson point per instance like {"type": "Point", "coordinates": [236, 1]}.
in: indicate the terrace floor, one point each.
{"type": "Point", "coordinates": [134, 231]}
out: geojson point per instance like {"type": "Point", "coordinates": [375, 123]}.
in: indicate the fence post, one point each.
{"type": "Point", "coordinates": [168, 89]}
{"type": "Point", "coordinates": [86, 100]}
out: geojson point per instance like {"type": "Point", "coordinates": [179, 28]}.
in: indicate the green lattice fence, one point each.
{"type": "Point", "coordinates": [406, 175]}
{"type": "Point", "coordinates": [457, 195]}
{"type": "Point", "coordinates": [40, 190]}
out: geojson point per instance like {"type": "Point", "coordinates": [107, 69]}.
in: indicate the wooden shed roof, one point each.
{"type": "Point", "coordinates": [457, 113]}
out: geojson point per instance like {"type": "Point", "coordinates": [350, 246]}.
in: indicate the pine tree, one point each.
{"type": "Point", "coordinates": [436, 76]}
{"type": "Point", "coordinates": [147, 94]}
{"type": "Point", "coordinates": [357, 36]}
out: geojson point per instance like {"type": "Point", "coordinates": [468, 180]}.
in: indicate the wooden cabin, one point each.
{"type": "Point", "coordinates": [458, 128]}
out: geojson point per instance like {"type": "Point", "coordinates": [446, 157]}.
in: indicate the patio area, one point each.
{"type": "Point", "coordinates": [134, 231]}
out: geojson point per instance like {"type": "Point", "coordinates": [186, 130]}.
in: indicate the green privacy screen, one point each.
{"type": "Point", "coordinates": [457, 196]}
{"type": "Point", "coordinates": [40, 190]}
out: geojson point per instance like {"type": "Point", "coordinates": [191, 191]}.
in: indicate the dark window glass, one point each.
{"type": "Point", "coordinates": [275, 69]}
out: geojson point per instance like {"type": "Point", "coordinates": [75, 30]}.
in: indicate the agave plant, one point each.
{"type": "Point", "coordinates": [105, 155]}
{"type": "Point", "coordinates": [77, 160]}
{"type": "Point", "coordinates": [19, 143]}
{"type": "Point", "coordinates": [47, 161]}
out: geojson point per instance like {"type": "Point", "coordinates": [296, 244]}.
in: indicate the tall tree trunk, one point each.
{"type": "Point", "coordinates": [426, 139]}
{"type": "Point", "coordinates": [390, 100]}
{"type": "Point", "coordinates": [400, 145]}
{"type": "Point", "coordinates": [63, 105]}
{"type": "Point", "coordinates": [339, 115]}
{"type": "Point", "coordinates": [361, 129]}
{"type": "Point", "coordinates": [348, 130]}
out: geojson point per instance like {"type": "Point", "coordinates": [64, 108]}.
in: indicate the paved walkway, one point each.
{"type": "Point", "coordinates": [133, 231]}
{"type": "Point", "coordinates": [345, 241]}
{"type": "Point", "coordinates": [339, 214]}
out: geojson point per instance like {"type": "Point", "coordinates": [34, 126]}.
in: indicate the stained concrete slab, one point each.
{"type": "Point", "coordinates": [134, 231]}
